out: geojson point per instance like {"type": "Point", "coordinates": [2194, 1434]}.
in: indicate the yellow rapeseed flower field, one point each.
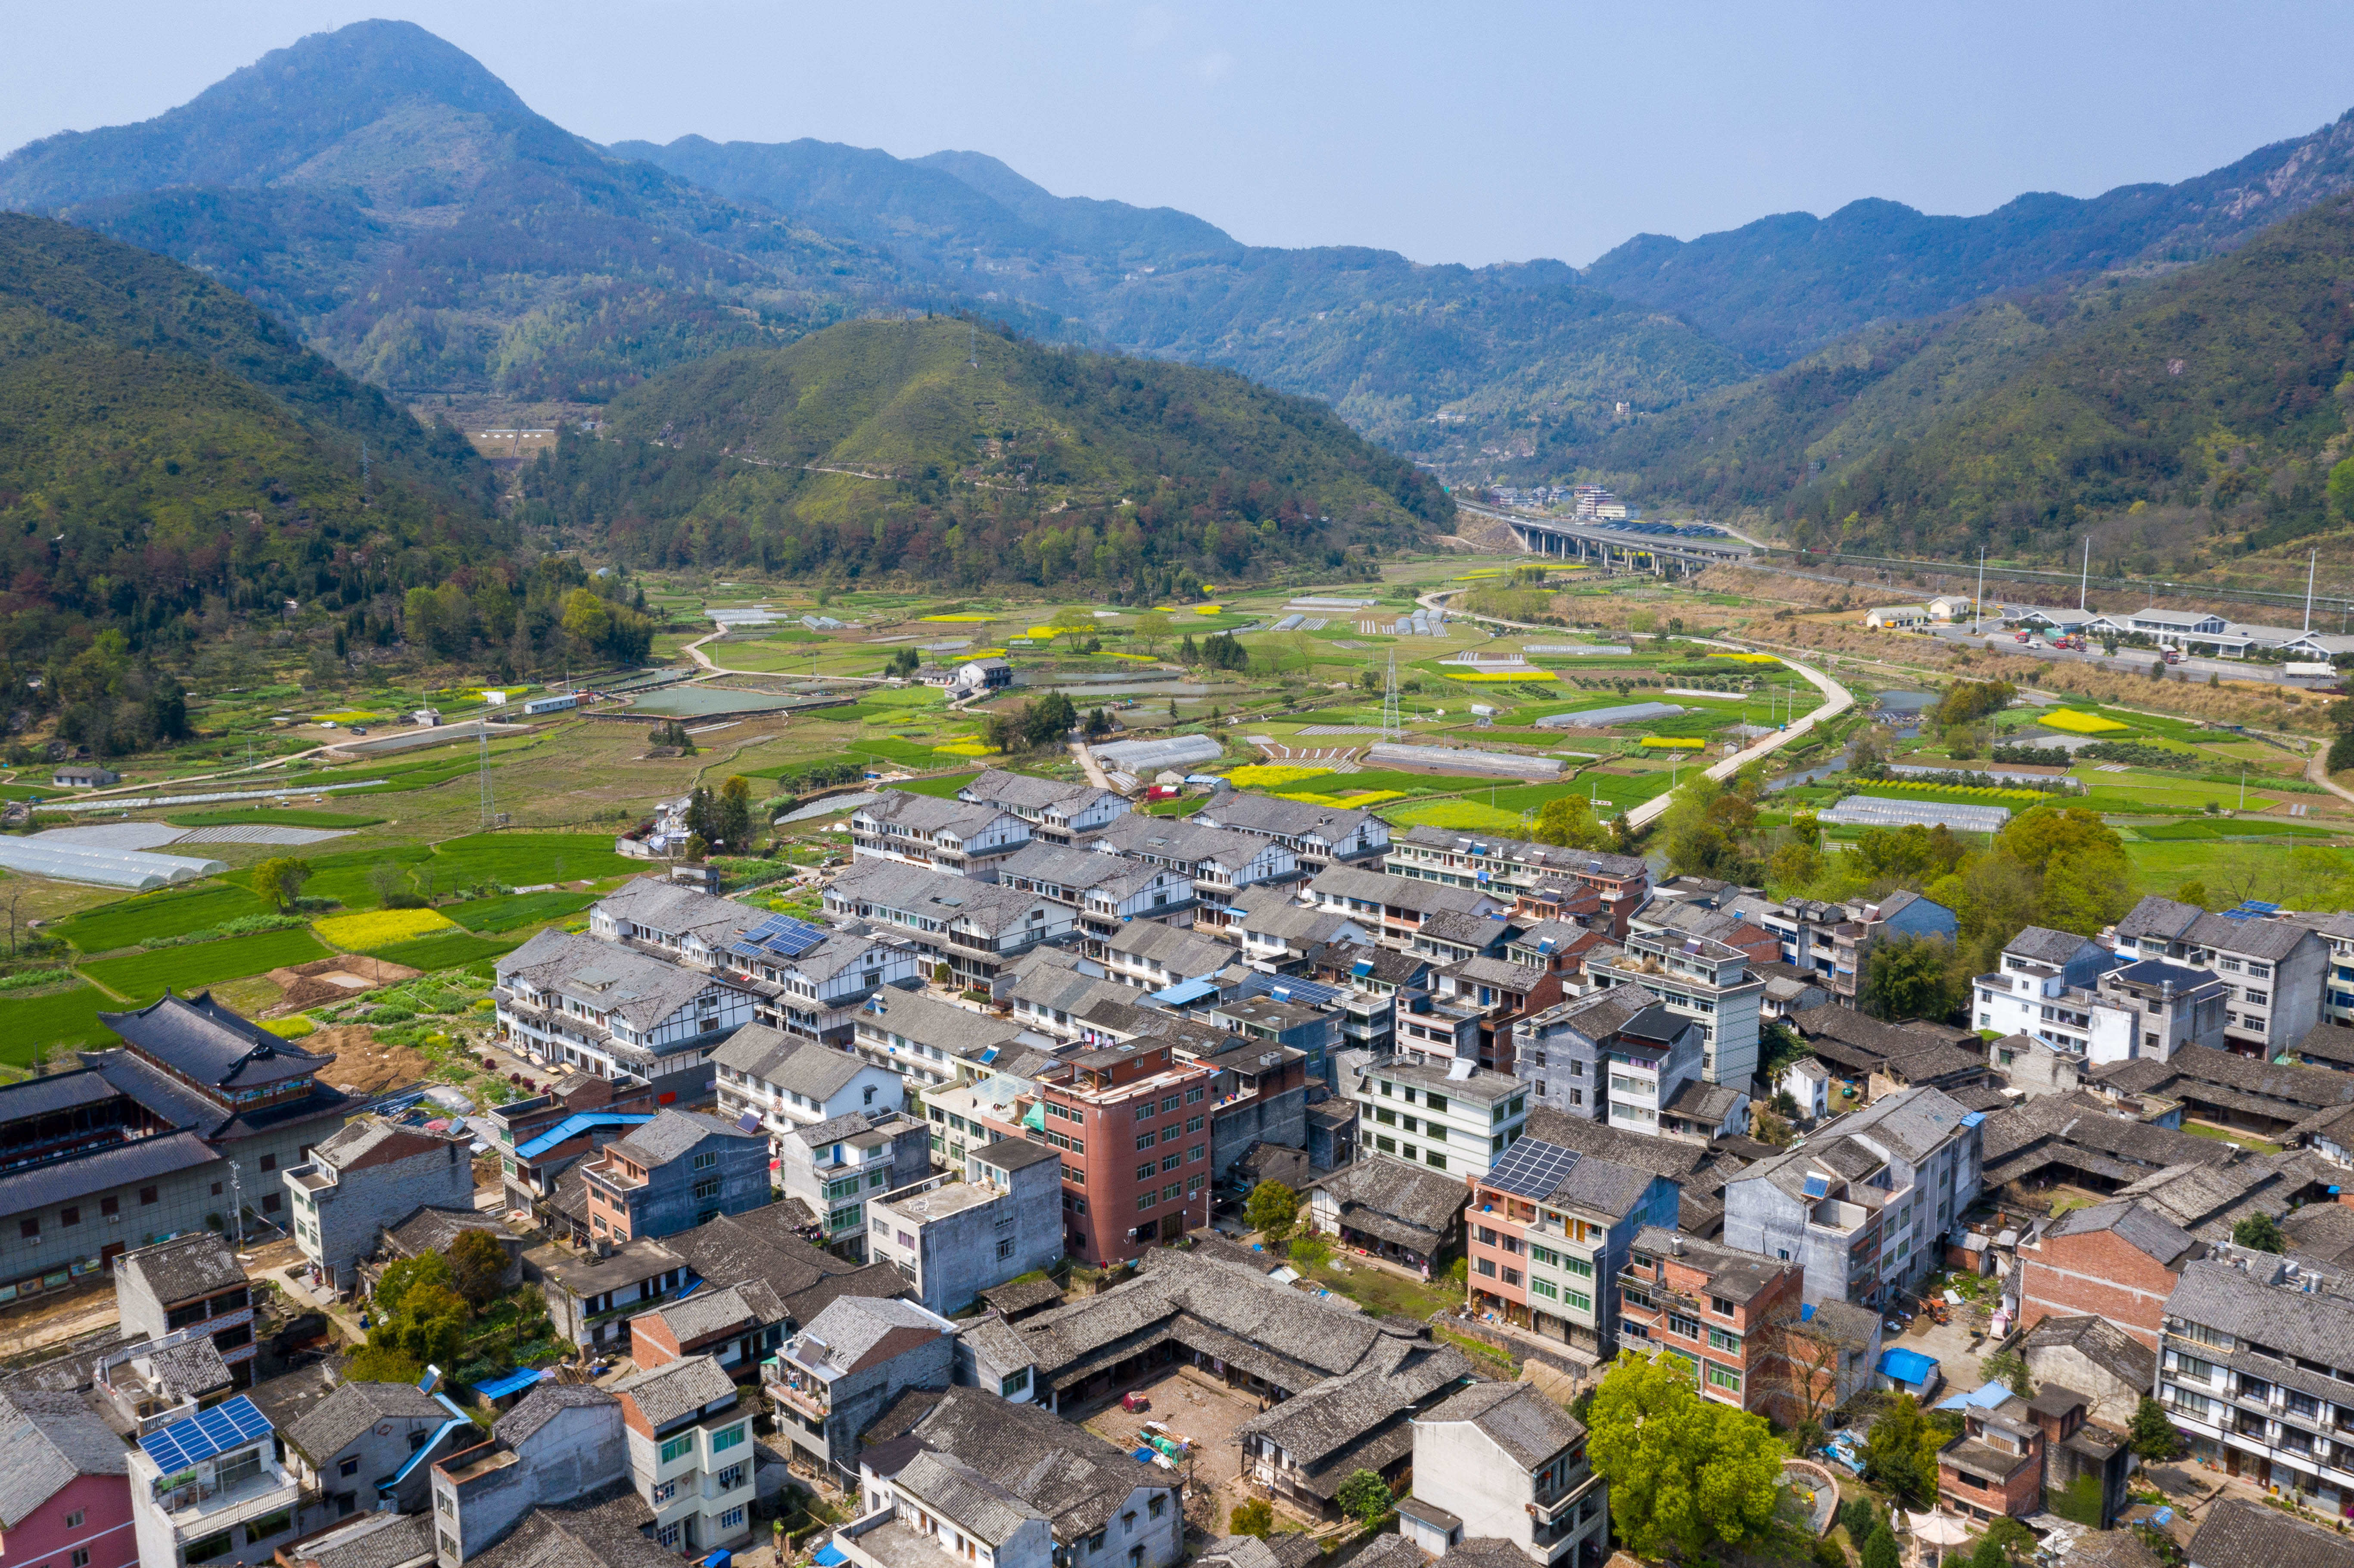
{"type": "Point", "coordinates": [376, 928]}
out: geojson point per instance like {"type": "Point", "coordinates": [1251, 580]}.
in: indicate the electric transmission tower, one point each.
{"type": "Point", "coordinates": [1392, 729]}
{"type": "Point", "coordinates": [482, 755]}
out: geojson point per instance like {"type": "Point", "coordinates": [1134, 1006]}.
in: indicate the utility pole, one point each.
{"type": "Point", "coordinates": [1392, 729]}
{"type": "Point", "coordinates": [1978, 605]}
{"type": "Point", "coordinates": [2309, 561]}
{"type": "Point", "coordinates": [2085, 573]}
{"type": "Point", "coordinates": [483, 760]}
{"type": "Point", "coordinates": [236, 1204]}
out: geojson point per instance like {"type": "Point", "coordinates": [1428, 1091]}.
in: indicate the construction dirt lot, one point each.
{"type": "Point", "coordinates": [1198, 1407]}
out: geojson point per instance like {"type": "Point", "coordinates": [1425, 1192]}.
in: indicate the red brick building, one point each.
{"type": "Point", "coordinates": [2118, 1260]}
{"type": "Point", "coordinates": [1722, 1311]}
{"type": "Point", "coordinates": [1132, 1122]}
{"type": "Point", "coordinates": [1995, 1465]}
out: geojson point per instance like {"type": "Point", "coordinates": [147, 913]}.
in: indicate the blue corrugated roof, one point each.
{"type": "Point", "coordinates": [573, 1126]}
{"type": "Point", "coordinates": [1907, 1367]}
{"type": "Point", "coordinates": [1186, 991]}
{"type": "Point", "coordinates": [507, 1384]}
{"type": "Point", "coordinates": [1984, 1397]}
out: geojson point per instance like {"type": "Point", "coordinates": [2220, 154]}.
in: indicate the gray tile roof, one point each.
{"type": "Point", "coordinates": [2239, 1533]}
{"type": "Point", "coordinates": [1733, 1273]}
{"type": "Point", "coordinates": [1598, 1185]}
{"type": "Point", "coordinates": [542, 1405]}
{"type": "Point", "coordinates": [1519, 1419]}
{"type": "Point", "coordinates": [1292, 1549]}
{"type": "Point", "coordinates": [2294, 1091]}
{"type": "Point", "coordinates": [2273, 939]}
{"type": "Point", "coordinates": [984, 907]}
{"type": "Point", "coordinates": [972, 1501]}
{"type": "Point", "coordinates": [2101, 1343]}
{"type": "Point", "coordinates": [50, 1438]}
{"type": "Point", "coordinates": [1913, 1122]}
{"type": "Point", "coordinates": [1180, 950]}
{"type": "Point", "coordinates": [182, 1269]}
{"type": "Point", "coordinates": [432, 1230]}
{"type": "Point", "coordinates": [2156, 917]}
{"type": "Point", "coordinates": [1073, 868]}
{"type": "Point", "coordinates": [1283, 818]}
{"type": "Point", "coordinates": [2316, 1327]}
{"type": "Point", "coordinates": [1330, 1423]}
{"type": "Point", "coordinates": [340, 1419]}
{"type": "Point", "coordinates": [1398, 892]}
{"type": "Point", "coordinates": [36, 1187]}
{"type": "Point", "coordinates": [2044, 944]}
{"type": "Point", "coordinates": [1073, 1477]}
{"type": "Point", "coordinates": [634, 986]}
{"type": "Point", "coordinates": [928, 1021]}
{"type": "Point", "coordinates": [802, 1067]}
{"type": "Point", "coordinates": [931, 814]}
{"type": "Point", "coordinates": [1020, 792]}
{"type": "Point", "coordinates": [676, 907]}
{"type": "Point", "coordinates": [1410, 1196]}
{"type": "Point", "coordinates": [676, 1389]}
{"type": "Point", "coordinates": [673, 1132]}
{"type": "Point", "coordinates": [1668, 1157]}
{"type": "Point", "coordinates": [372, 1540]}
{"type": "Point", "coordinates": [855, 1325]}
{"type": "Point", "coordinates": [210, 1046]}
{"type": "Point", "coordinates": [2327, 1043]}
{"type": "Point", "coordinates": [2137, 1223]}
{"type": "Point", "coordinates": [186, 1372]}
{"type": "Point", "coordinates": [1177, 840]}
{"type": "Point", "coordinates": [751, 1304]}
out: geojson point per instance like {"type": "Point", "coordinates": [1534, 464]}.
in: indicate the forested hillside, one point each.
{"type": "Point", "coordinates": [379, 189]}
{"type": "Point", "coordinates": [953, 453]}
{"type": "Point", "coordinates": [1783, 286]}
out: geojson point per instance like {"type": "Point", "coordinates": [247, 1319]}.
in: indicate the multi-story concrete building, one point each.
{"type": "Point", "coordinates": [672, 920]}
{"type": "Point", "coordinates": [1548, 1232]}
{"type": "Point", "coordinates": [1594, 1054]}
{"type": "Point", "coordinates": [191, 1282]}
{"type": "Point", "coordinates": [1726, 1314]}
{"type": "Point", "coordinates": [2277, 971]}
{"type": "Point", "coordinates": [971, 929]}
{"type": "Point", "coordinates": [560, 1443]}
{"type": "Point", "coordinates": [954, 1238]}
{"type": "Point", "coordinates": [1056, 812]}
{"type": "Point", "coordinates": [1134, 1130]}
{"type": "Point", "coordinates": [1706, 981]}
{"type": "Point", "coordinates": [1316, 835]}
{"type": "Point", "coordinates": [368, 1174]}
{"type": "Point", "coordinates": [591, 1298]}
{"type": "Point", "coordinates": [68, 1498]}
{"type": "Point", "coordinates": [1286, 1017]}
{"type": "Point", "coordinates": [1106, 1510]}
{"type": "Point", "coordinates": [954, 836]}
{"type": "Point", "coordinates": [1277, 935]}
{"type": "Point", "coordinates": [1500, 1462]}
{"type": "Point", "coordinates": [679, 1169]}
{"type": "Point", "coordinates": [784, 1082]}
{"type": "Point", "coordinates": [1107, 893]}
{"type": "Point", "coordinates": [1509, 866]}
{"type": "Point", "coordinates": [928, 1042]}
{"type": "Point", "coordinates": [1864, 1207]}
{"type": "Point", "coordinates": [1154, 958]}
{"type": "Point", "coordinates": [568, 1001]}
{"type": "Point", "coordinates": [366, 1446]}
{"type": "Point", "coordinates": [2071, 994]}
{"type": "Point", "coordinates": [836, 1377]}
{"type": "Point", "coordinates": [199, 1110]}
{"type": "Point", "coordinates": [1394, 909]}
{"type": "Point", "coordinates": [2252, 1368]}
{"type": "Point", "coordinates": [1832, 941]}
{"type": "Point", "coordinates": [810, 986]}
{"type": "Point", "coordinates": [1219, 862]}
{"type": "Point", "coordinates": [835, 1167]}
{"type": "Point", "coordinates": [1457, 1119]}
{"type": "Point", "coordinates": [541, 1139]}
{"type": "Point", "coordinates": [690, 1442]}
{"type": "Point", "coordinates": [210, 1488]}
{"type": "Point", "coordinates": [736, 1325]}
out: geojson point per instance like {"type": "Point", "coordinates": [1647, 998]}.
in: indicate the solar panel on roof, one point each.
{"type": "Point", "coordinates": [1531, 1168]}
{"type": "Point", "coordinates": [783, 936]}
{"type": "Point", "coordinates": [183, 1445]}
{"type": "Point", "coordinates": [1817, 1186]}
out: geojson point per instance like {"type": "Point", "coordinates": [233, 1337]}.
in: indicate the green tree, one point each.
{"type": "Point", "coordinates": [1363, 1497]}
{"type": "Point", "coordinates": [383, 1363]}
{"type": "Point", "coordinates": [1271, 1209]}
{"type": "Point", "coordinates": [1879, 1550]}
{"type": "Point", "coordinates": [1152, 629]}
{"type": "Point", "coordinates": [2010, 1369]}
{"type": "Point", "coordinates": [1686, 1474]}
{"type": "Point", "coordinates": [1073, 621]}
{"type": "Point", "coordinates": [1860, 1518]}
{"type": "Point", "coordinates": [1253, 1516]}
{"type": "Point", "coordinates": [279, 880]}
{"type": "Point", "coordinates": [2259, 1232]}
{"type": "Point", "coordinates": [1568, 821]}
{"type": "Point", "coordinates": [1901, 1453]}
{"type": "Point", "coordinates": [1905, 977]}
{"type": "Point", "coordinates": [2153, 1433]}
{"type": "Point", "coordinates": [2342, 489]}
{"type": "Point", "coordinates": [429, 1325]}
{"type": "Point", "coordinates": [387, 882]}
{"type": "Point", "coordinates": [731, 815]}
{"type": "Point", "coordinates": [478, 1265]}
{"type": "Point", "coordinates": [2191, 892]}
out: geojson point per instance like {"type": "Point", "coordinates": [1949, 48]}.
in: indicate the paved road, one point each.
{"type": "Point", "coordinates": [1838, 700]}
{"type": "Point", "coordinates": [694, 652]}
{"type": "Point", "coordinates": [1088, 765]}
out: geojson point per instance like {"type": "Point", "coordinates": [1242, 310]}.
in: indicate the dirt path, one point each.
{"type": "Point", "coordinates": [2316, 770]}
{"type": "Point", "coordinates": [1088, 765]}
{"type": "Point", "coordinates": [81, 1313]}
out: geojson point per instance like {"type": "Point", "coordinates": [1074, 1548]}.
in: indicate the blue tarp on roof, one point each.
{"type": "Point", "coordinates": [572, 1127]}
{"type": "Point", "coordinates": [507, 1384]}
{"type": "Point", "coordinates": [1908, 1367]}
{"type": "Point", "coordinates": [1805, 1311]}
{"type": "Point", "coordinates": [1185, 992]}
{"type": "Point", "coordinates": [1985, 1397]}
{"type": "Point", "coordinates": [830, 1556]}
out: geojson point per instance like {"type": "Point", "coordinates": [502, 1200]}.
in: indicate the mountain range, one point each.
{"type": "Point", "coordinates": [418, 225]}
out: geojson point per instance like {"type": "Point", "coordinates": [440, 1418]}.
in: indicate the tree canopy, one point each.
{"type": "Point", "coordinates": [1686, 1474]}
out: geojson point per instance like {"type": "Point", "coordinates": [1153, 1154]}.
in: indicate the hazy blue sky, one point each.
{"type": "Point", "coordinates": [1452, 132]}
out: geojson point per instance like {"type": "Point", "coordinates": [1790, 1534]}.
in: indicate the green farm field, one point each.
{"type": "Point", "coordinates": [56, 1022]}
{"type": "Point", "coordinates": [483, 915]}
{"type": "Point", "coordinates": [447, 950]}
{"type": "Point", "coordinates": [142, 977]}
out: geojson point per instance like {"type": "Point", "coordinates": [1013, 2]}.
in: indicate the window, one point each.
{"type": "Point", "coordinates": [1144, 1172]}
{"type": "Point", "coordinates": [1540, 1288]}
{"type": "Point", "coordinates": [706, 1188]}
{"type": "Point", "coordinates": [1720, 1305]}
{"type": "Point", "coordinates": [1512, 1276]}
{"type": "Point", "coordinates": [1017, 1383]}
{"type": "Point", "coordinates": [269, 1162]}
{"type": "Point", "coordinates": [727, 1440]}
{"type": "Point", "coordinates": [1486, 1265]}
{"type": "Point", "coordinates": [1197, 1152]}
{"type": "Point", "coordinates": [109, 1207]}
{"type": "Point", "coordinates": [81, 1557]}
{"type": "Point", "coordinates": [667, 1535]}
{"type": "Point", "coordinates": [270, 1200]}
{"type": "Point", "coordinates": [1718, 1340]}
{"type": "Point", "coordinates": [677, 1447]}
{"type": "Point", "coordinates": [1543, 1255]}
{"type": "Point", "coordinates": [1005, 1247]}
{"type": "Point", "coordinates": [213, 1546]}
{"type": "Point", "coordinates": [706, 1162]}
{"type": "Point", "coordinates": [1170, 1193]}
{"type": "Point", "coordinates": [73, 1520]}
{"type": "Point", "coordinates": [731, 1477]}
{"type": "Point", "coordinates": [348, 1466]}
{"type": "Point", "coordinates": [1143, 1202]}
{"type": "Point", "coordinates": [1194, 1124]}
{"type": "Point", "coordinates": [1435, 1159]}
{"type": "Point", "coordinates": [1689, 1328]}
{"type": "Point", "coordinates": [1725, 1378]}
{"type": "Point", "coordinates": [1580, 1267]}
{"type": "Point", "coordinates": [1144, 1140]}
{"type": "Point", "coordinates": [69, 1215]}
{"type": "Point", "coordinates": [1158, 1505]}
{"type": "Point", "coordinates": [663, 1492]}
{"type": "Point", "coordinates": [1577, 1299]}
{"type": "Point", "coordinates": [732, 1519]}
{"type": "Point", "coordinates": [1096, 1541]}
{"type": "Point", "coordinates": [1144, 1111]}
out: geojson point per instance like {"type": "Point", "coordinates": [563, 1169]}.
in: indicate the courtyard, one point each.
{"type": "Point", "coordinates": [1197, 1407]}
